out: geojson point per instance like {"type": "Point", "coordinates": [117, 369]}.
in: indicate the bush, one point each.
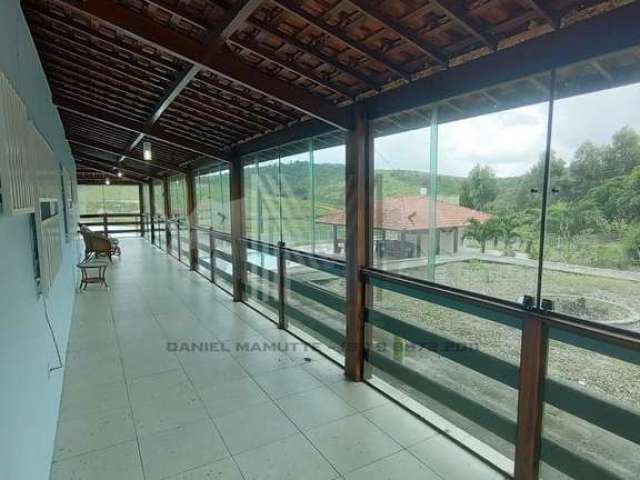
{"type": "Point", "coordinates": [631, 244]}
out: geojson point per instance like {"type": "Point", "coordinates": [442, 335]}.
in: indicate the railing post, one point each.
{"type": "Point", "coordinates": [238, 249]}
{"type": "Point", "coordinates": [179, 240]}
{"type": "Point", "coordinates": [533, 366]}
{"type": "Point", "coordinates": [282, 274]}
{"type": "Point", "coordinates": [212, 255]}
{"type": "Point", "coordinates": [358, 168]}
{"type": "Point", "coordinates": [105, 223]}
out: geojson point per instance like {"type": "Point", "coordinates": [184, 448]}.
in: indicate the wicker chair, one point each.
{"type": "Point", "coordinates": [96, 244]}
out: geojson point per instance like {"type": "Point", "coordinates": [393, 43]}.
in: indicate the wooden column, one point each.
{"type": "Point", "coordinates": [359, 171]}
{"type": "Point", "coordinates": [192, 220]}
{"type": "Point", "coordinates": [167, 212]}
{"type": "Point", "coordinates": [152, 212]}
{"type": "Point", "coordinates": [238, 249]}
{"type": "Point", "coordinates": [142, 210]}
{"type": "Point", "coordinates": [533, 366]}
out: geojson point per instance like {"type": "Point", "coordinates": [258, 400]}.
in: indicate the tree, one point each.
{"type": "Point", "coordinates": [506, 227]}
{"type": "Point", "coordinates": [587, 169]}
{"type": "Point", "coordinates": [479, 189]}
{"type": "Point", "coordinates": [530, 187]}
{"type": "Point", "coordinates": [623, 155]}
{"type": "Point", "coordinates": [528, 231]}
{"type": "Point", "coordinates": [481, 232]}
{"type": "Point", "coordinates": [568, 220]}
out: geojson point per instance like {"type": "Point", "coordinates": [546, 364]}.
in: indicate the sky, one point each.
{"type": "Point", "coordinates": [512, 141]}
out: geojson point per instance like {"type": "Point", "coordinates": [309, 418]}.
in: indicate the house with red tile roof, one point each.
{"type": "Point", "coordinates": [401, 225]}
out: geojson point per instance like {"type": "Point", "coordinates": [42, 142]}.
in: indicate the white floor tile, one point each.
{"type": "Point", "coordinates": [184, 448]}
{"type": "Point", "coordinates": [302, 461]}
{"type": "Point", "coordinates": [352, 443]}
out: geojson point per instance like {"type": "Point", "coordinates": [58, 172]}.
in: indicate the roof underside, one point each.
{"type": "Point", "coordinates": [198, 78]}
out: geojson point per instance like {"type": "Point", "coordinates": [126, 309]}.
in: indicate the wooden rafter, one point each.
{"type": "Point", "coordinates": [105, 164]}
{"type": "Point", "coordinates": [400, 30]}
{"type": "Point", "coordinates": [121, 122]}
{"type": "Point", "coordinates": [462, 18]}
{"type": "Point", "coordinates": [315, 52]}
{"type": "Point", "coordinates": [221, 62]}
{"type": "Point", "coordinates": [215, 39]}
{"type": "Point", "coordinates": [550, 16]}
{"type": "Point", "coordinates": [293, 8]}
{"type": "Point", "coordinates": [103, 147]}
{"type": "Point", "coordinates": [110, 173]}
{"type": "Point", "coordinates": [292, 66]}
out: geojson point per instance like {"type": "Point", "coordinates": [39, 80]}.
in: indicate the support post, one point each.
{"type": "Point", "coordinates": [533, 366]}
{"type": "Point", "coordinates": [142, 211]}
{"type": "Point", "coordinates": [167, 212]}
{"type": "Point", "coordinates": [105, 224]}
{"type": "Point", "coordinates": [152, 212]}
{"type": "Point", "coordinates": [190, 181]}
{"type": "Point", "coordinates": [238, 249]}
{"type": "Point", "coordinates": [359, 170]}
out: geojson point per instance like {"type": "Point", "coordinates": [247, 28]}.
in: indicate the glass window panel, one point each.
{"type": "Point", "coordinates": [592, 244]}
{"type": "Point", "coordinates": [261, 287]}
{"type": "Point", "coordinates": [315, 302]}
{"type": "Point", "coordinates": [109, 199]}
{"type": "Point", "coordinates": [295, 177]}
{"type": "Point", "coordinates": [269, 201]}
{"type": "Point", "coordinates": [250, 174]}
{"type": "Point", "coordinates": [158, 198]}
{"type": "Point", "coordinates": [458, 365]}
{"type": "Point", "coordinates": [328, 194]}
{"type": "Point", "coordinates": [579, 439]}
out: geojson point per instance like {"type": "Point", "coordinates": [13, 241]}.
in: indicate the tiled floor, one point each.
{"type": "Point", "coordinates": [134, 409]}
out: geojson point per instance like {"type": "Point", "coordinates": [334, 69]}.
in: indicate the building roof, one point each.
{"type": "Point", "coordinates": [412, 214]}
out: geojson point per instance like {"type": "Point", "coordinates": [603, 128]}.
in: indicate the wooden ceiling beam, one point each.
{"type": "Point", "coordinates": [228, 104]}
{"type": "Point", "coordinates": [83, 30]}
{"type": "Point", "coordinates": [105, 164]}
{"type": "Point", "coordinates": [462, 18]}
{"type": "Point", "coordinates": [156, 133]}
{"type": "Point", "coordinates": [90, 166]}
{"type": "Point", "coordinates": [315, 52]}
{"type": "Point", "coordinates": [103, 147]}
{"type": "Point", "coordinates": [294, 8]}
{"type": "Point", "coordinates": [552, 17]}
{"type": "Point", "coordinates": [94, 57]}
{"type": "Point", "coordinates": [220, 62]}
{"type": "Point", "coordinates": [403, 32]}
{"type": "Point", "coordinates": [292, 66]}
{"type": "Point", "coordinates": [230, 90]}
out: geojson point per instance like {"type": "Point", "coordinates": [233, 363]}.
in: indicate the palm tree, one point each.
{"type": "Point", "coordinates": [481, 232]}
{"type": "Point", "coordinates": [507, 229]}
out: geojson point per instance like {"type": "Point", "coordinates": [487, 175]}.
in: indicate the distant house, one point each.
{"type": "Point", "coordinates": [401, 229]}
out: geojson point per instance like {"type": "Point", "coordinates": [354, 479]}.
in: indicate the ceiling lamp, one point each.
{"type": "Point", "coordinates": [119, 174]}
{"type": "Point", "coordinates": [146, 151]}
{"type": "Point", "coordinates": [107, 181]}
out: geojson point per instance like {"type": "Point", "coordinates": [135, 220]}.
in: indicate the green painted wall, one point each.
{"type": "Point", "coordinates": [29, 396]}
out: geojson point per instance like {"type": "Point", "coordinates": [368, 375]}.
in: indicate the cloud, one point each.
{"type": "Point", "coordinates": [512, 141]}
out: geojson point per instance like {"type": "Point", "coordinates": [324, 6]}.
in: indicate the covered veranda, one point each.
{"type": "Point", "coordinates": [239, 339]}
{"type": "Point", "coordinates": [169, 378]}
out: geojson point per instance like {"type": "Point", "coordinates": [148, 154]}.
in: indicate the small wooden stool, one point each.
{"type": "Point", "coordinates": [86, 267]}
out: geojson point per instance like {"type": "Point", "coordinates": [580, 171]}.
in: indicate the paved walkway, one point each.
{"type": "Point", "coordinates": [133, 409]}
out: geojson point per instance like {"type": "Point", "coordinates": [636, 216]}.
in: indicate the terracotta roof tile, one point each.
{"type": "Point", "coordinates": [412, 213]}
